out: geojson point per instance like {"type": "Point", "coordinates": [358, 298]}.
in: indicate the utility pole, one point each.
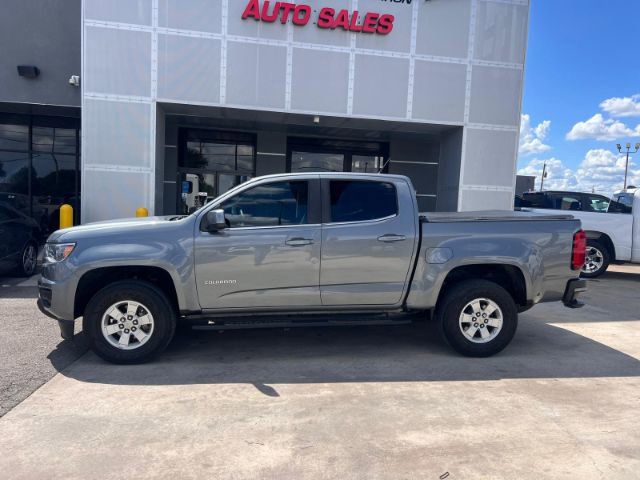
{"type": "Point", "coordinates": [626, 165]}
{"type": "Point", "coordinates": [544, 175]}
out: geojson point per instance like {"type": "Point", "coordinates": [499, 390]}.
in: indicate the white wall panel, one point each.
{"type": "Point", "coordinates": [443, 28]}
{"type": "Point", "coordinates": [439, 91]}
{"type": "Point", "coordinates": [116, 134]}
{"type": "Point", "coordinates": [501, 32]}
{"type": "Point", "coordinates": [380, 87]}
{"type": "Point", "coordinates": [121, 11]}
{"type": "Point", "coordinates": [490, 155]}
{"type": "Point", "coordinates": [117, 62]}
{"type": "Point", "coordinates": [114, 194]}
{"type": "Point", "coordinates": [495, 95]}
{"type": "Point", "coordinates": [319, 81]}
{"type": "Point", "coordinates": [189, 68]}
{"type": "Point", "coordinates": [195, 15]}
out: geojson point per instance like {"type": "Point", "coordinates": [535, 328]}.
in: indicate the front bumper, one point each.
{"type": "Point", "coordinates": [574, 288]}
{"type": "Point", "coordinates": [53, 301]}
{"type": "Point", "coordinates": [66, 326]}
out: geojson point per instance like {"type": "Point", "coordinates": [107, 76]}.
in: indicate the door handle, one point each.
{"type": "Point", "coordinates": [390, 237]}
{"type": "Point", "coordinates": [299, 242]}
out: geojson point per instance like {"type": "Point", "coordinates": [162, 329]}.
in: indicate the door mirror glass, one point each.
{"type": "Point", "coordinates": [215, 220]}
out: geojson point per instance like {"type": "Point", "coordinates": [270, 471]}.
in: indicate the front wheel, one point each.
{"type": "Point", "coordinates": [596, 260]}
{"type": "Point", "coordinates": [129, 322]}
{"type": "Point", "coordinates": [478, 317]}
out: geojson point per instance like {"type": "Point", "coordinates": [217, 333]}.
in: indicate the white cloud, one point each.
{"type": "Point", "coordinates": [599, 128]}
{"type": "Point", "coordinates": [622, 106]}
{"type": "Point", "coordinates": [531, 138]}
{"type": "Point", "coordinates": [601, 171]}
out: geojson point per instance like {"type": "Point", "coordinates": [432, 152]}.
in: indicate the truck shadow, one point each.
{"type": "Point", "coordinates": [411, 353]}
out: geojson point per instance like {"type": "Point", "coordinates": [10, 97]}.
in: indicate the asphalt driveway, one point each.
{"type": "Point", "coordinates": [372, 403]}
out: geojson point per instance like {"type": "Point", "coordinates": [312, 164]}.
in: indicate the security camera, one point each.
{"type": "Point", "coordinates": [74, 80]}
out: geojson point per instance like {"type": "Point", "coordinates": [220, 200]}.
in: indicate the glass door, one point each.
{"type": "Point", "coordinates": [210, 164]}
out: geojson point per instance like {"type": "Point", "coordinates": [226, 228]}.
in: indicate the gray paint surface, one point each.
{"type": "Point", "coordinates": [46, 34]}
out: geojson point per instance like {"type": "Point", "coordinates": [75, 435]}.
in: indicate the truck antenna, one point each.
{"type": "Point", "coordinates": [384, 165]}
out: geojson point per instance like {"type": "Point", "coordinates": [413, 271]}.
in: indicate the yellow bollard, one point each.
{"type": "Point", "coordinates": [66, 216]}
{"type": "Point", "coordinates": [142, 212]}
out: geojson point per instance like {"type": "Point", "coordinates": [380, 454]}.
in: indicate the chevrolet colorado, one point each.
{"type": "Point", "coordinates": [309, 249]}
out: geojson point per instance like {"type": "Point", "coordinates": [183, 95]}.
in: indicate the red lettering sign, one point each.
{"type": "Point", "coordinates": [300, 15]}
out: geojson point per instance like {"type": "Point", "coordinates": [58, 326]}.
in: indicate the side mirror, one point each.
{"type": "Point", "coordinates": [216, 220]}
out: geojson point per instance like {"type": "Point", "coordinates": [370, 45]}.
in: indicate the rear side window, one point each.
{"type": "Point", "coordinates": [358, 200]}
{"type": "Point", "coordinates": [535, 200]}
{"type": "Point", "coordinates": [596, 203]}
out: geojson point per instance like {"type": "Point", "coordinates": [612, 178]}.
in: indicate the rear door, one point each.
{"type": "Point", "coordinates": [368, 241]}
{"type": "Point", "coordinates": [269, 256]}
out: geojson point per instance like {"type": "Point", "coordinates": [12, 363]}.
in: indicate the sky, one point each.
{"type": "Point", "coordinates": [581, 94]}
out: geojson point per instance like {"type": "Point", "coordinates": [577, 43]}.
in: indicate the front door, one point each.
{"type": "Point", "coordinates": [269, 256]}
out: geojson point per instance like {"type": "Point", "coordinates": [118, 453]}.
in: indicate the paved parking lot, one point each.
{"type": "Point", "coordinates": [370, 403]}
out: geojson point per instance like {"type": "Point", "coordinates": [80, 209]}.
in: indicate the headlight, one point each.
{"type": "Point", "coordinates": [57, 252]}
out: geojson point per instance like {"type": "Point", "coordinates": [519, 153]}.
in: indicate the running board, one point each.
{"type": "Point", "coordinates": [217, 323]}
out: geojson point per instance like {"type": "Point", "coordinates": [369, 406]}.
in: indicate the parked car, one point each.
{"type": "Point", "coordinates": [20, 237]}
{"type": "Point", "coordinates": [309, 249]}
{"type": "Point", "coordinates": [612, 227]}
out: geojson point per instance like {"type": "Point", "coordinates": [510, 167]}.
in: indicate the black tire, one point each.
{"type": "Point", "coordinates": [452, 304]}
{"type": "Point", "coordinates": [26, 268]}
{"type": "Point", "coordinates": [153, 300]}
{"type": "Point", "coordinates": [597, 267]}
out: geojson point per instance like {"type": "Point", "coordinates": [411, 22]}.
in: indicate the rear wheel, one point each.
{"type": "Point", "coordinates": [596, 261]}
{"type": "Point", "coordinates": [129, 322]}
{"type": "Point", "coordinates": [478, 317]}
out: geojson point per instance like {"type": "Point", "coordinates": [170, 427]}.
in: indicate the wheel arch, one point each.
{"type": "Point", "coordinates": [604, 239]}
{"type": "Point", "coordinates": [94, 280]}
{"type": "Point", "coordinates": [509, 277]}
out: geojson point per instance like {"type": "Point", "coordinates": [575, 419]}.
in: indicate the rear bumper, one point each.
{"type": "Point", "coordinates": [574, 288]}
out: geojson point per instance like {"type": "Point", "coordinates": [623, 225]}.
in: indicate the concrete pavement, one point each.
{"type": "Point", "coordinates": [370, 403]}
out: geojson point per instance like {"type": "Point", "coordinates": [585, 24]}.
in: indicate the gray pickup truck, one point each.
{"type": "Point", "coordinates": [309, 249]}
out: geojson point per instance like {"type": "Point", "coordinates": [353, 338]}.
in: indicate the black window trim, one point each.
{"type": "Point", "coordinates": [326, 201]}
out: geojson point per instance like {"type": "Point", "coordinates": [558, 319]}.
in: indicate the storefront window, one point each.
{"type": "Point", "coordinates": [210, 164]}
{"type": "Point", "coordinates": [37, 176]}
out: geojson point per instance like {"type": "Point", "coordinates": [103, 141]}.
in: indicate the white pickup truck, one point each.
{"type": "Point", "coordinates": [612, 227]}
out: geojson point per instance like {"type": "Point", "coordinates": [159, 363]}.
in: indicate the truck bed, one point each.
{"type": "Point", "coordinates": [490, 216]}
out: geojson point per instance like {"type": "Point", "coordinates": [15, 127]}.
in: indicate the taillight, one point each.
{"type": "Point", "coordinates": [579, 250]}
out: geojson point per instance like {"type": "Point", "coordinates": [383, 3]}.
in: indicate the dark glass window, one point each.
{"type": "Point", "coordinates": [355, 201]}
{"type": "Point", "coordinates": [596, 203]}
{"type": "Point", "coordinates": [221, 157]}
{"type": "Point", "coordinates": [617, 207]}
{"type": "Point", "coordinates": [14, 137]}
{"type": "Point", "coordinates": [278, 203]}
{"type": "Point", "coordinates": [566, 201]}
{"type": "Point", "coordinates": [14, 180]}
{"type": "Point", "coordinates": [535, 200]}
{"type": "Point", "coordinates": [39, 160]}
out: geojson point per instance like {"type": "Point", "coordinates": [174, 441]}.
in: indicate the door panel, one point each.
{"type": "Point", "coordinates": [259, 267]}
{"type": "Point", "coordinates": [269, 256]}
{"type": "Point", "coordinates": [366, 262]}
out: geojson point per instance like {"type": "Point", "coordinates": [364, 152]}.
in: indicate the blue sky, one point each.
{"type": "Point", "coordinates": [581, 54]}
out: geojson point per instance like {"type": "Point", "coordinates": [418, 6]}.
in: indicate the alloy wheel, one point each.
{"type": "Point", "coordinates": [127, 325]}
{"type": "Point", "coordinates": [481, 320]}
{"type": "Point", "coordinates": [594, 259]}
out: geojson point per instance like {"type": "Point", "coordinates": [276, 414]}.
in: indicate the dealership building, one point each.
{"type": "Point", "coordinates": [111, 105]}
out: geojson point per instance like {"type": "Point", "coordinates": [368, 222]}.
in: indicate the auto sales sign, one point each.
{"type": "Point", "coordinates": [326, 17]}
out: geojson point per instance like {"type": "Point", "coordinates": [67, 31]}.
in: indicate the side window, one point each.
{"type": "Point", "coordinates": [278, 203]}
{"type": "Point", "coordinates": [617, 207]}
{"type": "Point", "coordinates": [535, 200]}
{"type": "Point", "coordinates": [566, 202]}
{"type": "Point", "coordinates": [596, 203]}
{"type": "Point", "coordinates": [359, 200]}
